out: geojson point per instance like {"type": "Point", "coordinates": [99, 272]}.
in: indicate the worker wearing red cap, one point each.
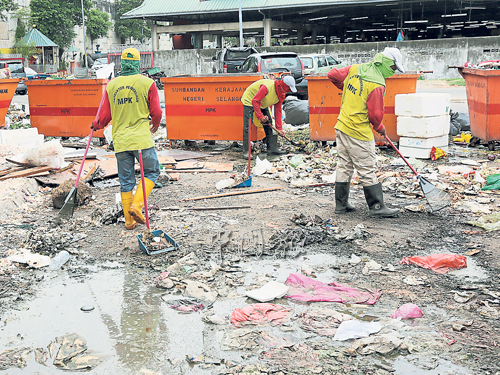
{"type": "Point", "coordinates": [257, 99]}
{"type": "Point", "coordinates": [129, 100]}
{"type": "Point", "coordinates": [363, 90]}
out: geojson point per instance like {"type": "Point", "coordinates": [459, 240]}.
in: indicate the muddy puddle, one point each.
{"type": "Point", "coordinates": [131, 324]}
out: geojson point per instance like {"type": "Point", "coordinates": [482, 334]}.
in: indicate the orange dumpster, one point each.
{"type": "Point", "coordinates": [325, 100]}
{"type": "Point", "coordinates": [7, 91]}
{"type": "Point", "coordinates": [483, 100]}
{"type": "Point", "coordinates": [207, 107]}
{"type": "Point", "coordinates": [65, 107]}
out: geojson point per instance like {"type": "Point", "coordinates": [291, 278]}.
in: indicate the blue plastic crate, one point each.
{"type": "Point", "coordinates": [157, 233]}
{"type": "Point", "coordinates": [246, 183]}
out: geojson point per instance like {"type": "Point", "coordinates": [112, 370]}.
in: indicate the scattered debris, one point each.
{"type": "Point", "coordinates": [439, 263]}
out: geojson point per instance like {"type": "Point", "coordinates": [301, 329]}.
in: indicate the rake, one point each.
{"type": "Point", "coordinates": [437, 198]}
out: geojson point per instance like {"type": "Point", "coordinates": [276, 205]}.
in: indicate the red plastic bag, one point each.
{"type": "Point", "coordinates": [439, 263]}
{"type": "Point", "coordinates": [408, 311]}
{"type": "Point", "coordinates": [261, 314]}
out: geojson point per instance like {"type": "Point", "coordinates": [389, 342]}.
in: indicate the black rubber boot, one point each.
{"type": "Point", "coordinates": [272, 142]}
{"type": "Point", "coordinates": [341, 198]}
{"type": "Point", "coordinates": [375, 199]}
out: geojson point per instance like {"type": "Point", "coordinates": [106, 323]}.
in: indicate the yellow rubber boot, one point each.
{"type": "Point", "coordinates": [127, 199]}
{"type": "Point", "coordinates": [136, 208]}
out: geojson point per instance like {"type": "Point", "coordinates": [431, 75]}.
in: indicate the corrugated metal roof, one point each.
{"type": "Point", "coordinates": [35, 36]}
{"type": "Point", "coordinates": [151, 8]}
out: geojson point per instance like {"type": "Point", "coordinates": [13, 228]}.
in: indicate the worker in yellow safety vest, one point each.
{"type": "Point", "coordinates": [129, 100]}
{"type": "Point", "coordinates": [363, 89]}
{"type": "Point", "coordinates": [257, 99]}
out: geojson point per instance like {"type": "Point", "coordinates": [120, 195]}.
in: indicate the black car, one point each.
{"type": "Point", "coordinates": [228, 59]}
{"type": "Point", "coordinates": [276, 62]}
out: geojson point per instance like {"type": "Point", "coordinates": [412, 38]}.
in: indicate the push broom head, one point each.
{"type": "Point", "coordinates": [437, 198]}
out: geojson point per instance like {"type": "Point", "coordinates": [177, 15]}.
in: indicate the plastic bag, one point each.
{"type": "Point", "coordinates": [439, 263]}
{"type": "Point", "coordinates": [296, 160]}
{"type": "Point", "coordinates": [50, 154]}
{"type": "Point", "coordinates": [437, 153]}
{"type": "Point", "coordinates": [408, 311]}
{"type": "Point", "coordinates": [355, 329]}
{"type": "Point", "coordinates": [261, 166]}
{"type": "Point", "coordinates": [492, 182]}
{"type": "Point", "coordinates": [488, 222]}
{"type": "Point", "coordinates": [296, 111]}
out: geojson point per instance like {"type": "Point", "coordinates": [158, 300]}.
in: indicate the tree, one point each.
{"type": "Point", "coordinates": [57, 18]}
{"type": "Point", "coordinates": [26, 50]}
{"type": "Point", "coordinates": [97, 24]}
{"type": "Point", "coordinates": [127, 28]}
{"type": "Point", "coordinates": [6, 6]}
{"type": "Point", "coordinates": [23, 16]}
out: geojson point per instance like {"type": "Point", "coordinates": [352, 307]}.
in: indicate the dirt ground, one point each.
{"type": "Point", "coordinates": [385, 241]}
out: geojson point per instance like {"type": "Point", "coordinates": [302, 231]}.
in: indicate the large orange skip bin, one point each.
{"type": "Point", "coordinates": [207, 107]}
{"type": "Point", "coordinates": [65, 107]}
{"type": "Point", "coordinates": [483, 100]}
{"type": "Point", "coordinates": [7, 91]}
{"type": "Point", "coordinates": [325, 100]}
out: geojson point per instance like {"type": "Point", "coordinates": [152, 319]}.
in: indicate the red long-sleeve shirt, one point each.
{"type": "Point", "coordinates": [153, 103]}
{"type": "Point", "coordinates": [374, 103]}
{"type": "Point", "coordinates": [263, 91]}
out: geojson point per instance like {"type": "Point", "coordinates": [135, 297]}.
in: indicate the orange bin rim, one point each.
{"type": "Point", "coordinates": [10, 80]}
{"type": "Point", "coordinates": [321, 76]}
{"type": "Point", "coordinates": [213, 78]}
{"type": "Point", "coordinates": [56, 82]}
{"type": "Point", "coordinates": [482, 72]}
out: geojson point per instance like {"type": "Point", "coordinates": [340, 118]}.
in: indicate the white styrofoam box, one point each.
{"type": "Point", "coordinates": [423, 127]}
{"type": "Point", "coordinates": [420, 148]}
{"type": "Point", "coordinates": [21, 137]}
{"type": "Point", "coordinates": [423, 104]}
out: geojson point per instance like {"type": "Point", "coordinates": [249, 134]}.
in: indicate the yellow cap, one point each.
{"type": "Point", "coordinates": [131, 54]}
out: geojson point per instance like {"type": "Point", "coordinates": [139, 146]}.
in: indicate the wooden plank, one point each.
{"type": "Point", "coordinates": [205, 208]}
{"type": "Point", "coordinates": [56, 179]}
{"type": "Point", "coordinates": [89, 173]}
{"type": "Point", "coordinates": [65, 168]}
{"type": "Point", "coordinates": [202, 165]}
{"type": "Point", "coordinates": [25, 173]}
{"type": "Point", "coordinates": [10, 170]}
{"type": "Point", "coordinates": [166, 160]}
{"type": "Point", "coordinates": [234, 193]}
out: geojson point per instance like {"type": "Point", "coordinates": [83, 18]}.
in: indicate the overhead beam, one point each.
{"type": "Point", "coordinates": [218, 27]}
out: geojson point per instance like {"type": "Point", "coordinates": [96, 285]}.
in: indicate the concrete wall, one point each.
{"type": "Point", "coordinates": [435, 55]}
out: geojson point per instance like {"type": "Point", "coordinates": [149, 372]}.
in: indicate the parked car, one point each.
{"type": "Point", "coordinates": [275, 62]}
{"type": "Point", "coordinates": [229, 58]}
{"type": "Point", "coordinates": [319, 63]}
{"type": "Point", "coordinates": [17, 71]}
{"type": "Point", "coordinates": [31, 74]}
{"type": "Point", "coordinates": [98, 64]}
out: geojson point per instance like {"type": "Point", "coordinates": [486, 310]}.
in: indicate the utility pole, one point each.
{"type": "Point", "coordinates": [84, 38]}
{"type": "Point", "coordinates": [240, 13]}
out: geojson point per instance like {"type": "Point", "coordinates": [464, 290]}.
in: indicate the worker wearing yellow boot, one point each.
{"type": "Point", "coordinates": [129, 100]}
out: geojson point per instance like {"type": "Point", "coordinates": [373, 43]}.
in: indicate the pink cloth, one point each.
{"type": "Point", "coordinates": [439, 263]}
{"type": "Point", "coordinates": [408, 311]}
{"type": "Point", "coordinates": [305, 289]}
{"type": "Point", "coordinates": [260, 314]}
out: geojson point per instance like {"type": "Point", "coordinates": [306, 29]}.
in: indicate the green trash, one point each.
{"type": "Point", "coordinates": [154, 71]}
{"type": "Point", "coordinates": [296, 161]}
{"type": "Point", "coordinates": [489, 222]}
{"type": "Point", "coordinates": [492, 182]}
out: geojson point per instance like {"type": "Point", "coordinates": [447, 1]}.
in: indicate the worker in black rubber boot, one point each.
{"type": "Point", "coordinates": [363, 89]}
{"type": "Point", "coordinates": [257, 99]}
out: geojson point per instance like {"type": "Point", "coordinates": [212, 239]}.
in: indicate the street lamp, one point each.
{"type": "Point", "coordinates": [241, 25]}
{"type": "Point", "coordinates": [84, 43]}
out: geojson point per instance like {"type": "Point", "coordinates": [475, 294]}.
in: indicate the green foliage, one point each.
{"type": "Point", "coordinates": [63, 65]}
{"type": "Point", "coordinates": [125, 29]}
{"type": "Point", "coordinates": [23, 16]}
{"type": "Point", "coordinates": [26, 50]}
{"type": "Point", "coordinates": [97, 23]}
{"type": "Point", "coordinates": [6, 6]}
{"type": "Point", "coordinates": [19, 125]}
{"type": "Point", "coordinates": [456, 81]}
{"type": "Point", "coordinates": [57, 18]}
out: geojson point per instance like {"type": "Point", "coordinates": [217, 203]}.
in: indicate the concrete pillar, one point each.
{"type": "Point", "coordinates": [199, 41]}
{"type": "Point", "coordinates": [300, 36]}
{"type": "Point", "coordinates": [267, 32]}
{"type": "Point", "coordinates": [314, 34]}
{"type": "Point", "coordinates": [219, 41]}
{"type": "Point", "coordinates": [155, 40]}
{"type": "Point", "coordinates": [258, 41]}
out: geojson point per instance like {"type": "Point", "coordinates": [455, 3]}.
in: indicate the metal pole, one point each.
{"type": "Point", "coordinates": [84, 37]}
{"type": "Point", "coordinates": [241, 25]}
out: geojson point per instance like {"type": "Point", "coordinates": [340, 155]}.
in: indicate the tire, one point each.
{"type": "Point", "coordinates": [24, 92]}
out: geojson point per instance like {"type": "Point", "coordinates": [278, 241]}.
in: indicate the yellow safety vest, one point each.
{"type": "Point", "coordinates": [353, 117]}
{"type": "Point", "coordinates": [128, 99]}
{"type": "Point", "coordinates": [270, 99]}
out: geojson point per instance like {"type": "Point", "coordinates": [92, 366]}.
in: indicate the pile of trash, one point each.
{"type": "Point", "coordinates": [17, 117]}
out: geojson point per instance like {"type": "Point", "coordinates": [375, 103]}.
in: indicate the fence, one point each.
{"type": "Point", "coordinates": [40, 68]}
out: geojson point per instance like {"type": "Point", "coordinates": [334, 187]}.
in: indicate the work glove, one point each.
{"type": "Point", "coordinates": [92, 126]}
{"type": "Point", "coordinates": [381, 130]}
